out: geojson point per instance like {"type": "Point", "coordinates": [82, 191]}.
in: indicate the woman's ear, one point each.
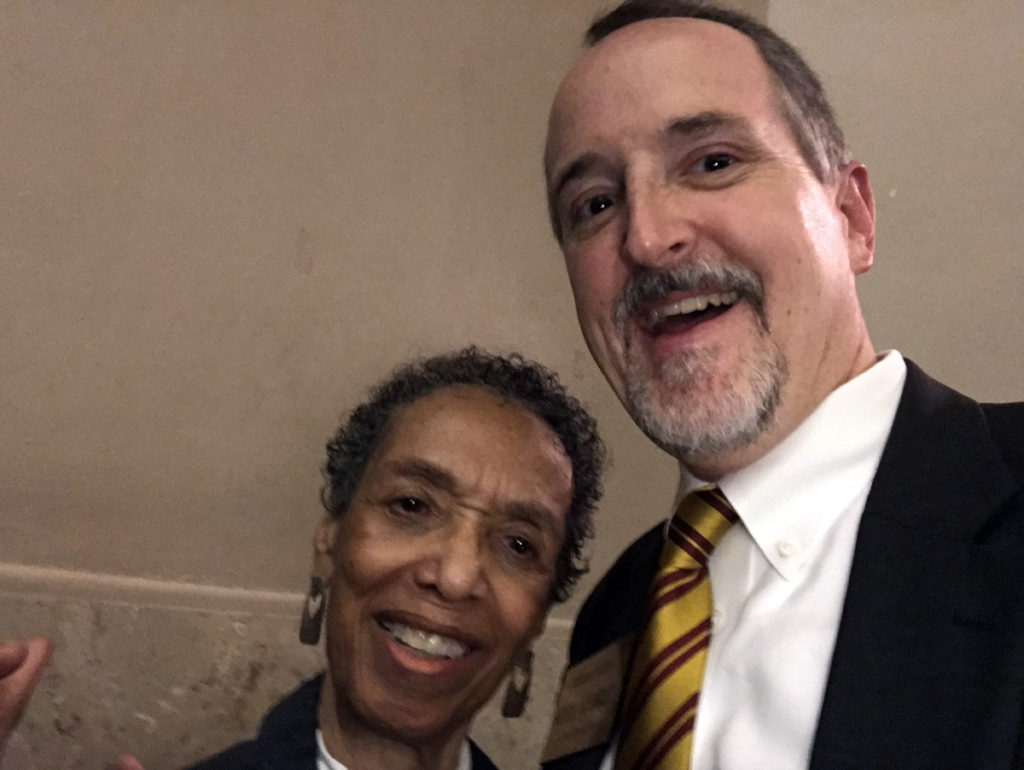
{"type": "Point", "coordinates": [323, 546]}
{"type": "Point", "coordinates": [323, 566]}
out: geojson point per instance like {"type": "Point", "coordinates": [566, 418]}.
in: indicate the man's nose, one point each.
{"type": "Point", "coordinates": [660, 228]}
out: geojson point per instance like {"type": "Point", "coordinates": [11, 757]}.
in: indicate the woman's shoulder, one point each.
{"type": "Point", "coordinates": [241, 756]}
{"type": "Point", "coordinates": [478, 759]}
{"type": "Point", "coordinates": [286, 740]}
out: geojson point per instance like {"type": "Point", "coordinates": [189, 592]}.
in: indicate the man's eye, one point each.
{"type": "Point", "coordinates": [597, 204]}
{"type": "Point", "coordinates": [592, 207]}
{"type": "Point", "coordinates": [716, 161]}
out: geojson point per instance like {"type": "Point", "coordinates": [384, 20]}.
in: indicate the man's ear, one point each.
{"type": "Point", "coordinates": [856, 202]}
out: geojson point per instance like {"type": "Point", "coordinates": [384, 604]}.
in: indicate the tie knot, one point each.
{"type": "Point", "coordinates": [699, 524]}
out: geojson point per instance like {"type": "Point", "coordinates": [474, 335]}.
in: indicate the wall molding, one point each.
{"type": "Point", "coordinates": [68, 584]}
{"type": "Point", "coordinates": [80, 585]}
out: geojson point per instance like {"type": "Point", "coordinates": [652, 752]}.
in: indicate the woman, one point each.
{"type": "Point", "coordinates": [458, 498]}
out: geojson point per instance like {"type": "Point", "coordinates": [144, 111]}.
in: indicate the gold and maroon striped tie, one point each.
{"type": "Point", "coordinates": [665, 680]}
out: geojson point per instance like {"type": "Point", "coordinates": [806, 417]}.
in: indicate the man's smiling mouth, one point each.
{"type": "Point", "coordinates": [692, 305]}
{"type": "Point", "coordinates": [424, 644]}
{"type": "Point", "coordinates": [686, 295]}
{"type": "Point", "coordinates": [685, 313]}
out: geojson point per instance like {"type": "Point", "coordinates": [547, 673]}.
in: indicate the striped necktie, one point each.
{"type": "Point", "coordinates": [665, 680]}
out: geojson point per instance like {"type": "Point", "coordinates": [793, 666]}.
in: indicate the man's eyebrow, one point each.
{"type": "Point", "coordinates": [575, 170]}
{"type": "Point", "coordinates": [704, 123]}
{"type": "Point", "coordinates": [425, 471]}
{"type": "Point", "coordinates": [690, 126]}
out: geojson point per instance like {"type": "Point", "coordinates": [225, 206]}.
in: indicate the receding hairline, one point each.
{"type": "Point", "coordinates": [670, 28]}
{"type": "Point", "coordinates": [644, 27]}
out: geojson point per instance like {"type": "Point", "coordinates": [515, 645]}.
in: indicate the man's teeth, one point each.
{"type": "Point", "coordinates": [691, 305]}
{"type": "Point", "coordinates": [425, 642]}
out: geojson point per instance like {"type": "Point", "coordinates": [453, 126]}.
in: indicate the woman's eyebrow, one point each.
{"type": "Point", "coordinates": [536, 514]}
{"type": "Point", "coordinates": [425, 471]}
{"type": "Point", "coordinates": [434, 475]}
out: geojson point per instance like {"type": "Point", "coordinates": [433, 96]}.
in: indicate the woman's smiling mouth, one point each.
{"type": "Point", "coordinates": [424, 644]}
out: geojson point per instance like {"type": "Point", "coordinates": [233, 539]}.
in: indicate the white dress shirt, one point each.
{"type": "Point", "coordinates": [778, 578]}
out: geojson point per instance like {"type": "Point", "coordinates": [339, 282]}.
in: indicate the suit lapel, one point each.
{"type": "Point", "coordinates": [913, 582]}
{"type": "Point", "coordinates": [599, 657]}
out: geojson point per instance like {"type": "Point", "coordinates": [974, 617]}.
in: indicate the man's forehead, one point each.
{"type": "Point", "coordinates": [680, 36]}
{"type": "Point", "coordinates": [696, 53]}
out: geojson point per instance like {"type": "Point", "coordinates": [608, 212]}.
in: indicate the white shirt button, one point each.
{"type": "Point", "coordinates": [787, 548]}
{"type": "Point", "coordinates": [717, 617]}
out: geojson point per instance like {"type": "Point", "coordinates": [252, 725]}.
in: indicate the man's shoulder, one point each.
{"type": "Point", "coordinates": [616, 606]}
{"type": "Point", "coordinates": [1006, 426]}
{"type": "Point", "coordinates": [941, 405]}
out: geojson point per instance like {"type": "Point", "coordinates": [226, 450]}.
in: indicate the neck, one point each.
{"type": "Point", "coordinates": [359, 746]}
{"type": "Point", "coordinates": [788, 417]}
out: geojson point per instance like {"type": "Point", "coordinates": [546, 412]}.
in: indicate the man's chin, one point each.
{"type": "Point", "coordinates": [688, 425]}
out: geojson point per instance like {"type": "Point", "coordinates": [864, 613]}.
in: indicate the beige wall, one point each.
{"type": "Point", "coordinates": [222, 222]}
{"type": "Point", "coordinates": [929, 93]}
{"type": "Point", "coordinates": [219, 222]}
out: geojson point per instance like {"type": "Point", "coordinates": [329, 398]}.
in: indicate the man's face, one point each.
{"type": "Point", "coordinates": [443, 563]}
{"type": "Point", "coordinates": [713, 273]}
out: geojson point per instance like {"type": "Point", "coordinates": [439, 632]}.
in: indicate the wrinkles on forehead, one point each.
{"type": "Point", "coordinates": [688, 127]}
{"type": "Point", "coordinates": [698, 57]}
{"type": "Point", "coordinates": [437, 477]}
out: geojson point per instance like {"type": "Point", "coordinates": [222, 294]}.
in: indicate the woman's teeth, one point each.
{"type": "Point", "coordinates": [424, 642]}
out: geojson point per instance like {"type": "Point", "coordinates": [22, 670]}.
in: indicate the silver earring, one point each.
{"type": "Point", "coordinates": [517, 692]}
{"type": "Point", "coordinates": [312, 612]}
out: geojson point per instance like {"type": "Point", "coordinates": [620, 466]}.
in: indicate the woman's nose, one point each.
{"type": "Point", "coordinates": [456, 566]}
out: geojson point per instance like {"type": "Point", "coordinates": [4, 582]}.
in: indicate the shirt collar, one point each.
{"type": "Point", "coordinates": [790, 498]}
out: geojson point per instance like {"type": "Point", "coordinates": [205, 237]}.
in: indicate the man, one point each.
{"type": "Point", "coordinates": [869, 603]}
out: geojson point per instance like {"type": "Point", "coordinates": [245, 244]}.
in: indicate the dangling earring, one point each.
{"type": "Point", "coordinates": [316, 600]}
{"type": "Point", "coordinates": [313, 612]}
{"type": "Point", "coordinates": [518, 690]}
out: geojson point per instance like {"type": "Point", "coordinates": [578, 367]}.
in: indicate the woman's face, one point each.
{"type": "Point", "coordinates": [443, 563]}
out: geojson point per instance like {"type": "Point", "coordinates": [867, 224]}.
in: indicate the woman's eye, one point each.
{"type": "Point", "coordinates": [410, 505]}
{"type": "Point", "coordinates": [521, 546]}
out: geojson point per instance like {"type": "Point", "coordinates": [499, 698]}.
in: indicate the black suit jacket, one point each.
{"type": "Point", "coordinates": [928, 666]}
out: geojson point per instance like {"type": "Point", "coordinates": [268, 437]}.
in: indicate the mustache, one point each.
{"type": "Point", "coordinates": [648, 285]}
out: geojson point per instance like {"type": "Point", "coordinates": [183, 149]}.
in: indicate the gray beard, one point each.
{"type": "Point", "coordinates": [682, 410]}
{"type": "Point", "coordinates": [680, 405]}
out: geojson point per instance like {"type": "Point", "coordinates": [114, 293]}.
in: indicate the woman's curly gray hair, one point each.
{"type": "Point", "coordinates": [512, 377]}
